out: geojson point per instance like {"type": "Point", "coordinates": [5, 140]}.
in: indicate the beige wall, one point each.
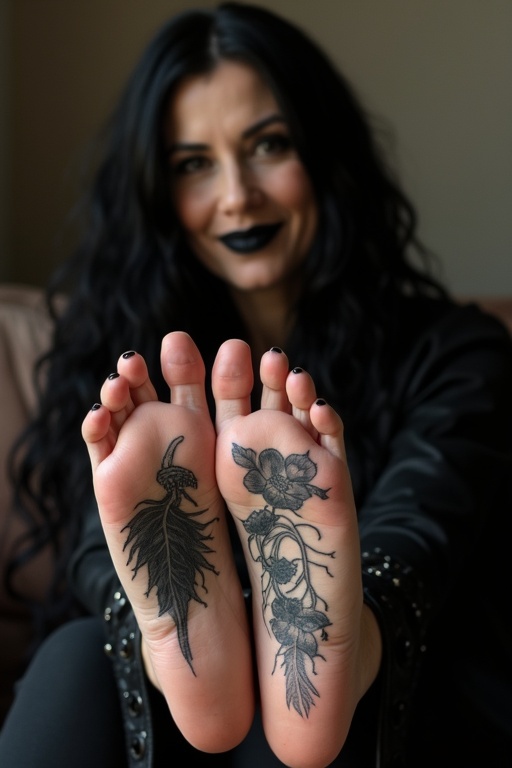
{"type": "Point", "coordinates": [4, 100]}
{"type": "Point", "coordinates": [438, 71]}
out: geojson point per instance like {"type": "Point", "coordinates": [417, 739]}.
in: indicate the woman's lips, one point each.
{"type": "Point", "coordinates": [250, 240]}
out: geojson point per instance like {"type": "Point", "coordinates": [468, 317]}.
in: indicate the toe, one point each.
{"type": "Point", "coordinates": [133, 368]}
{"type": "Point", "coordinates": [115, 396]}
{"type": "Point", "coordinates": [330, 428]}
{"type": "Point", "coordinates": [183, 370]}
{"type": "Point", "coordinates": [232, 381]}
{"type": "Point", "coordinates": [301, 393]}
{"type": "Point", "coordinates": [97, 434]}
{"type": "Point", "coordinates": [300, 389]}
{"type": "Point", "coordinates": [273, 372]}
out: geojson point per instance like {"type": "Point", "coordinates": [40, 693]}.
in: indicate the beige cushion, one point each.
{"type": "Point", "coordinates": [501, 306]}
{"type": "Point", "coordinates": [25, 330]}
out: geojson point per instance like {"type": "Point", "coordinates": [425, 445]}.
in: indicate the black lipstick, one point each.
{"type": "Point", "coordinates": [252, 239]}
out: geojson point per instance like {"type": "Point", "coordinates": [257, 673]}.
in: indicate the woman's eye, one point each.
{"type": "Point", "coordinates": [273, 145]}
{"type": "Point", "coordinates": [190, 165]}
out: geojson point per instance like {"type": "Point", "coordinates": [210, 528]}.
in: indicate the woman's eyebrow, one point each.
{"type": "Point", "coordinates": [184, 146]}
{"type": "Point", "coordinates": [276, 118]}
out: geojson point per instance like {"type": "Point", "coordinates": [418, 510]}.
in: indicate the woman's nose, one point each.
{"type": "Point", "coordinates": [238, 189]}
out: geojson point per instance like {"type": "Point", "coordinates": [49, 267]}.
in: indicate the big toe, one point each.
{"type": "Point", "coordinates": [232, 381]}
{"type": "Point", "coordinates": [183, 370]}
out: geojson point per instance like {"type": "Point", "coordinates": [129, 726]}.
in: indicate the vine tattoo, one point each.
{"type": "Point", "coordinates": [276, 542]}
{"type": "Point", "coordinates": [172, 543]}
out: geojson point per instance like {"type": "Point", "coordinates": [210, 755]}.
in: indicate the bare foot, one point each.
{"type": "Point", "coordinates": [282, 471]}
{"type": "Point", "coordinates": [164, 521]}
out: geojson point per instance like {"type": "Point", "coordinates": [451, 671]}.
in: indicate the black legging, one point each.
{"type": "Point", "coordinates": [66, 714]}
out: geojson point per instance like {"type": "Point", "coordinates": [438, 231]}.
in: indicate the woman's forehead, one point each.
{"type": "Point", "coordinates": [233, 97]}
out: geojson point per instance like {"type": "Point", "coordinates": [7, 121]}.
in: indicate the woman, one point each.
{"type": "Point", "coordinates": [354, 499]}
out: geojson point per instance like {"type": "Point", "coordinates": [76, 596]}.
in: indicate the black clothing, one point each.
{"type": "Point", "coordinates": [65, 713]}
{"type": "Point", "coordinates": [435, 527]}
{"type": "Point", "coordinates": [69, 697]}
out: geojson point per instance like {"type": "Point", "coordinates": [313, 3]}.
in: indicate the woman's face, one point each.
{"type": "Point", "coordinates": [238, 185]}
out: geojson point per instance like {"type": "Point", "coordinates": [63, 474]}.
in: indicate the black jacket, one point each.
{"type": "Point", "coordinates": [436, 544]}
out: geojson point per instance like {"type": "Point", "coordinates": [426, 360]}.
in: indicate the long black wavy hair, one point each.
{"type": "Point", "coordinates": [132, 279]}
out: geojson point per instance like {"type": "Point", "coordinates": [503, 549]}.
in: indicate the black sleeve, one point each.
{"type": "Point", "coordinates": [91, 573]}
{"type": "Point", "coordinates": [444, 486]}
{"type": "Point", "coordinates": [96, 585]}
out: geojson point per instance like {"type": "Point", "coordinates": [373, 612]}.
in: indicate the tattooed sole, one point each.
{"type": "Point", "coordinates": [277, 542]}
{"type": "Point", "coordinates": [173, 544]}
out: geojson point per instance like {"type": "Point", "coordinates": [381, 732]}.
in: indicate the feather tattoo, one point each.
{"type": "Point", "coordinates": [172, 544]}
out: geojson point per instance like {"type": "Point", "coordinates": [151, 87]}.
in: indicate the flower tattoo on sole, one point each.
{"type": "Point", "coordinates": [172, 543]}
{"type": "Point", "coordinates": [276, 542]}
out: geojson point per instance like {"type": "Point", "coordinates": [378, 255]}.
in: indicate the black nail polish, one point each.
{"type": "Point", "coordinates": [297, 370]}
{"type": "Point", "coordinates": [276, 349]}
{"type": "Point", "coordinates": [321, 401]}
{"type": "Point", "coordinates": [126, 355]}
{"type": "Point", "coordinates": [114, 375]}
{"type": "Point", "coordinates": [96, 406]}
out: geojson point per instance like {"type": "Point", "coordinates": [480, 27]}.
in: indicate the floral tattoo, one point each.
{"type": "Point", "coordinates": [276, 542]}
{"type": "Point", "coordinates": [172, 543]}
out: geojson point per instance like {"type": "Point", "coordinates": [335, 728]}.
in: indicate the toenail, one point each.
{"type": "Point", "coordinates": [321, 401]}
{"type": "Point", "coordinates": [114, 375]}
{"type": "Point", "coordinates": [276, 349]}
{"type": "Point", "coordinates": [126, 355]}
{"type": "Point", "coordinates": [297, 370]}
{"type": "Point", "coordinates": [96, 406]}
